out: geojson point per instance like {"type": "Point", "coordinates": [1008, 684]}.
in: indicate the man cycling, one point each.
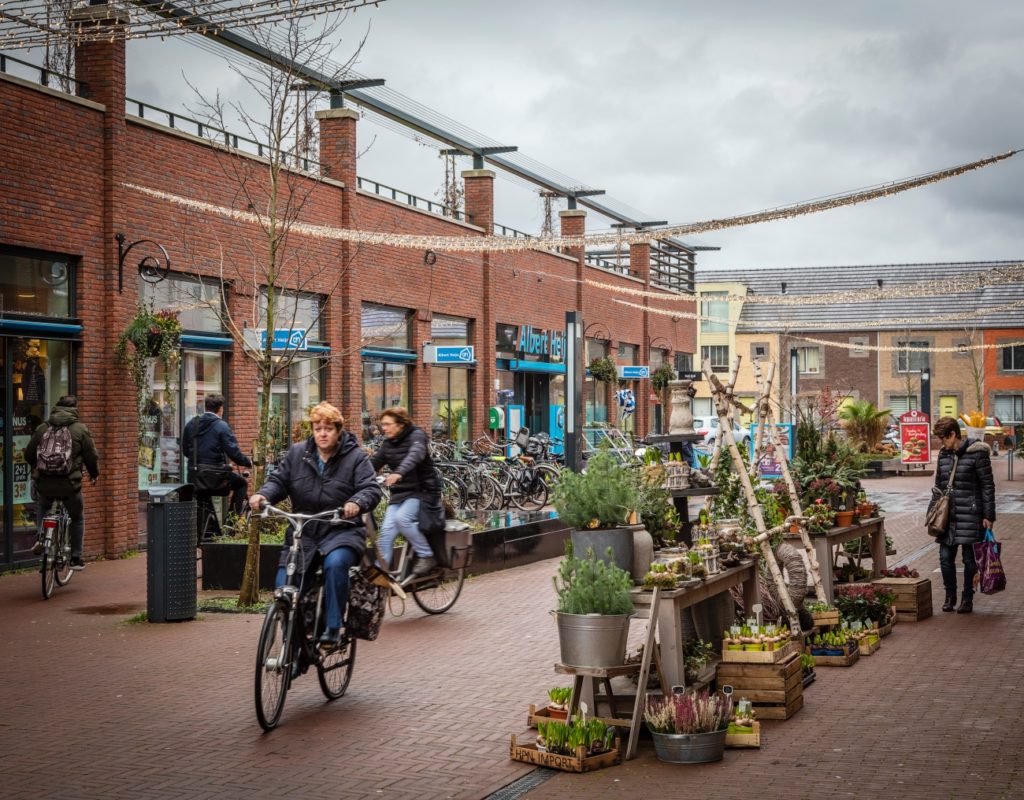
{"type": "Point", "coordinates": [209, 440]}
{"type": "Point", "coordinates": [57, 452]}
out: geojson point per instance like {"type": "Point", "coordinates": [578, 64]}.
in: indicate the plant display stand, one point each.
{"type": "Point", "coordinates": [743, 737]}
{"type": "Point", "coordinates": [579, 762]}
{"type": "Point", "coordinates": [913, 597]}
{"type": "Point", "coordinates": [826, 658]}
{"type": "Point", "coordinates": [775, 690]}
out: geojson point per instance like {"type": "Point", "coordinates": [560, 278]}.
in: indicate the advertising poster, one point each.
{"type": "Point", "coordinates": [915, 438]}
{"type": "Point", "coordinates": [769, 466]}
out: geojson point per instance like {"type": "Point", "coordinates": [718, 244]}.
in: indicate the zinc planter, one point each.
{"type": "Point", "coordinates": [592, 640]}
{"type": "Point", "coordinates": [690, 748]}
{"type": "Point", "coordinates": [620, 540]}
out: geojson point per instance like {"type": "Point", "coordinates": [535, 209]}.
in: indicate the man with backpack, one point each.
{"type": "Point", "coordinates": [57, 452]}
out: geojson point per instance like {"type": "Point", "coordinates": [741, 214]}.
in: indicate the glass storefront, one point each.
{"type": "Point", "coordinates": [291, 399]}
{"type": "Point", "coordinates": [384, 385]}
{"type": "Point", "coordinates": [386, 340]}
{"type": "Point", "coordinates": [595, 395]}
{"type": "Point", "coordinates": [449, 386]}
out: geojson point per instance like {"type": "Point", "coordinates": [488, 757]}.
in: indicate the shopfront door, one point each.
{"type": "Point", "coordinates": [34, 374]}
{"type": "Point", "coordinates": [533, 390]}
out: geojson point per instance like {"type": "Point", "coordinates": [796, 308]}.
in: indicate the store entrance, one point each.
{"type": "Point", "coordinates": [533, 390]}
{"type": "Point", "coordinates": [34, 373]}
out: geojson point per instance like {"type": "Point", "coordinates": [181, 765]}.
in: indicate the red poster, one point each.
{"type": "Point", "coordinates": [915, 438]}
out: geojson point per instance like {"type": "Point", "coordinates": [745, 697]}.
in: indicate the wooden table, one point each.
{"type": "Point", "coordinates": [824, 542]}
{"type": "Point", "coordinates": [675, 600]}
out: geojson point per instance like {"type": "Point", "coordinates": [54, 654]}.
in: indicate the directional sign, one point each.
{"type": "Point", "coordinates": [634, 373]}
{"type": "Point", "coordinates": [449, 354]}
{"type": "Point", "coordinates": [691, 376]}
{"type": "Point", "coordinates": [286, 339]}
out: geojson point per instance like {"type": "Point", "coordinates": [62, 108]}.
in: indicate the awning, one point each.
{"type": "Point", "coordinates": [390, 356]}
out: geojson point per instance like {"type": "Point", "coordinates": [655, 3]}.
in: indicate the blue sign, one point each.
{"type": "Point", "coordinates": [449, 354]}
{"type": "Point", "coordinates": [286, 339]}
{"type": "Point", "coordinates": [634, 373]}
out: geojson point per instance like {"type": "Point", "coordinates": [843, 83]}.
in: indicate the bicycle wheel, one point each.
{"type": "Point", "coordinates": [62, 571]}
{"type": "Point", "coordinates": [273, 667]}
{"type": "Point", "coordinates": [531, 494]}
{"type": "Point", "coordinates": [483, 491]}
{"type": "Point", "coordinates": [439, 595]}
{"type": "Point", "coordinates": [48, 573]}
{"type": "Point", "coordinates": [549, 474]}
{"type": "Point", "coordinates": [334, 670]}
{"type": "Point", "coordinates": [454, 491]}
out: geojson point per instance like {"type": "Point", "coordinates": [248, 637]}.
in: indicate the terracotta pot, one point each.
{"type": "Point", "coordinates": [844, 519]}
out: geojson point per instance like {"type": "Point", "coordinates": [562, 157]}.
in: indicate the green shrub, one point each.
{"type": "Point", "coordinates": [590, 586]}
{"type": "Point", "coordinates": [601, 497]}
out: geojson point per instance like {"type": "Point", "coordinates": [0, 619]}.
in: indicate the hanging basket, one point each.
{"type": "Point", "coordinates": [154, 341]}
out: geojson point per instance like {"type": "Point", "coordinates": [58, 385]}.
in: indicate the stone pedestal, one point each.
{"type": "Point", "coordinates": [681, 419]}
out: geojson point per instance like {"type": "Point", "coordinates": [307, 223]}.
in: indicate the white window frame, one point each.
{"type": "Point", "coordinates": [905, 359]}
{"type": "Point", "coordinates": [706, 351]}
{"type": "Point", "coordinates": [803, 367]}
{"type": "Point", "coordinates": [1016, 364]}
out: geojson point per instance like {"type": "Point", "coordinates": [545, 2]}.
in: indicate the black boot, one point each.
{"type": "Point", "coordinates": [950, 603]}
{"type": "Point", "coordinates": [966, 605]}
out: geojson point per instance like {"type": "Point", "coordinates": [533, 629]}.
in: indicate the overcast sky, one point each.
{"type": "Point", "coordinates": [690, 110]}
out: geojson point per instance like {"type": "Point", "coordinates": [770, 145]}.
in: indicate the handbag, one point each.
{"type": "Point", "coordinates": [937, 519]}
{"type": "Point", "coordinates": [990, 577]}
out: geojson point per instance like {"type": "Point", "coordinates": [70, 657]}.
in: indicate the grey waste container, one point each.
{"type": "Point", "coordinates": [171, 555]}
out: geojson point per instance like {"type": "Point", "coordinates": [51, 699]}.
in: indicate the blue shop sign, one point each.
{"type": "Point", "coordinates": [634, 373]}
{"type": "Point", "coordinates": [286, 339]}
{"type": "Point", "coordinates": [449, 354]}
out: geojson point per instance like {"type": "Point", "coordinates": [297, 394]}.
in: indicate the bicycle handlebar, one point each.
{"type": "Point", "coordinates": [334, 515]}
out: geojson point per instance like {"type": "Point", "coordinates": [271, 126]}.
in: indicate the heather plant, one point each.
{"type": "Point", "coordinates": [688, 713]}
{"type": "Point", "coordinates": [591, 586]}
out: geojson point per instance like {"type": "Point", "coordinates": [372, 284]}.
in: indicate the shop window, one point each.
{"type": "Point", "coordinates": [1009, 408]}
{"type": "Point", "coordinates": [386, 327]}
{"type": "Point", "coordinates": [808, 360]}
{"type": "Point", "coordinates": [627, 354]}
{"type": "Point", "coordinates": [684, 362]}
{"type": "Point", "coordinates": [292, 395]}
{"type": "Point", "coordinates": [196, 300]}
{"type": "Point", "coordinates": [911, 359]}
{"type": "Point", "coordinates": [294, 310]}
{"type": "Point", "coordinates": [718, 355]}
{"type": "Point", "coordinates": [449, 386]}
{"type": "Point", "coordinates": [595, 395]}
{"type": "Point", "coordinates": [35, 284]}
{"type": "Point", "coordinates": [714, 304]}
{"type": "Point", "coordinates": [384, 385]}
{"type": "Point", "coordinates": [657, 359]}
{"type": "Point", "coordinates": [1013, 358]}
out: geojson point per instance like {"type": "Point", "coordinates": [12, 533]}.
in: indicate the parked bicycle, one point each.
{"type": "Point", "coordinates": [289, 640]}
{"type": "Point", "coordinates": [55, 563]}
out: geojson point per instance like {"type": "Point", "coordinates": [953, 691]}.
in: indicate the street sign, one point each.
{"type": "Point", "coordinates": [691, 376]}
{"type": "Point", "coordinates": [634, 373]}
{"type": "Point", "coordinates": [915, 438]}
{"type": "Point", "coordinates": [285, 339]}
{"type": "Point", "coordinates": [449, 354]}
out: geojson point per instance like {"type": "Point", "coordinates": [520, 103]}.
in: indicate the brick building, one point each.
{"type": "Point", "coordinates": [68, 161]}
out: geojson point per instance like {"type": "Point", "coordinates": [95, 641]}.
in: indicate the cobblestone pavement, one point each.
{"type": "Point", "coordinates": [94, 707]}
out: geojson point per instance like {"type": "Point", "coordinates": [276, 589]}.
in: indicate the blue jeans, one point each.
{"type": "Point", "coordinates": [403, 519]}
{"type": "Point", "coordinates": [947, 564]}
{"type": "Point", "coordinates": [337, 563]}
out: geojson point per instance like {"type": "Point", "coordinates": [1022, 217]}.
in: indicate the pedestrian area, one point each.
{"type": "Point", "coordinates": [94, 706]}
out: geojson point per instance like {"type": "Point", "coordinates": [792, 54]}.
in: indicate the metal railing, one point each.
{"type": "Point", "coordinates": [212, 133]}
{"type": "Point", "coordinates": [399, 196]}
{"type": "Point", "coordinates": [510, 233]}
{"type": "Point", "coordinates": [41, 75]}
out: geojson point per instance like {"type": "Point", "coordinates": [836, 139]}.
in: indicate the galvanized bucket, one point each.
{"type": "Point", "coordinates": [620, 540]}
{"type": "Point", "coordinates": [690, 748]}
{"type": "Point", "coordinates": [593, 640]}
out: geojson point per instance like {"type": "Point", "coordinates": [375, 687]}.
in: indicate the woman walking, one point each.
{"type": "Point", "coordinates": [972, 506]}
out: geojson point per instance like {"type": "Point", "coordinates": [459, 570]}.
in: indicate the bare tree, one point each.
{"type": "Point", "coordinates": [453, 193]}
{"type": "Point", "coordinates": [977, 369]}
{"type": "Point", "coordinates": [280, 285]}
{"type": "Point", "coordinates": [59, 50]}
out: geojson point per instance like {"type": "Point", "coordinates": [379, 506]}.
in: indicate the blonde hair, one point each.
{"type": "Point", "coordinates": [325, 412]}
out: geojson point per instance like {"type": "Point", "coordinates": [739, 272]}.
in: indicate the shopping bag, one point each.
{"type": "Point", "coordinates": [990, 577]}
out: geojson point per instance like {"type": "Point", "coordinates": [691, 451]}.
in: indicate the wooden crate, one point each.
{"type": "Point", "coordinates": [580, 762]}
{"type": "Point", "coordinates": [776, 690]}
{"type": "Point", "coordinates": [866, 648]}
{"type": "Point", "coordinates": [913, 597]}
{"type": "Point", "coordinates": [825, 618]}
{"type": "Point", "coordinates": [847, 660]}
{"type": "Point", "coordinates": [537, 714]}
{"type": "Point", "coordinates": [738, 740]}
{"type": "Point", "coordinates": [760, 656]}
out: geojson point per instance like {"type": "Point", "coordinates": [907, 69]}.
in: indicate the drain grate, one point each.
{"type": "Point", "coordinates": [516, 789]}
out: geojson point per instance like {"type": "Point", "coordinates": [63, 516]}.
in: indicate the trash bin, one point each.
{"type": "Point", "coordinates": [171, 555]}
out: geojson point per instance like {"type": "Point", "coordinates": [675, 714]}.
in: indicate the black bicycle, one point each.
{"type": "Point", "coordinates": [55, 564]}
{"type": "Point", "coordinates": [289, 641]}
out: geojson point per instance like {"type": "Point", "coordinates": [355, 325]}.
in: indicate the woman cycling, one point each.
{"type": "Point", "coordinates": [405, 451]}
{"type": "Point", "coordinates": [329, 470]}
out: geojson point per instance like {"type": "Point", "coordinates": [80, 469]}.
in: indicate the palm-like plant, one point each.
{"type": "Point", "coordinates": [864, 423]}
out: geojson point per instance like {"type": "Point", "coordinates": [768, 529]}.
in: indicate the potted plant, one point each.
{"type": "Point", "coordinates": [820, 516]}
{"type": "Point", "coordinates": [594, 607]}
{"type": "Point", "coordinates": [150, 335]}
{"type": "Point", "coordinates": [844, 518]}
{"type": "Point", "coordinates": [559, 697]}
{"type": "Point", "coordinates": [564, 738]}
{"type": "Point", "coordinates": [596, 505]}
{"type": "Point", "coordinates": [603, 370]}
{"type": "Point", "coordinates": [689, 728]}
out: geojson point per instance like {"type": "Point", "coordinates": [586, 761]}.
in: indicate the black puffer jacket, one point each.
{"type": "Point", "coordinates": [347, 476]}
{"type": "Point", "coordinates": [974, 491]}
{"type": "Point", "coordinates": [409, 455]}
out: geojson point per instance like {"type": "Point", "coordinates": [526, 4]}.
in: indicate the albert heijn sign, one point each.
{"type": "Point", "coordinates": [532, 341]}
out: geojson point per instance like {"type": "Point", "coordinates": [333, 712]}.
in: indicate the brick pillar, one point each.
{"type": "Point", "coordinates": [574, 223]}
{"type": "Point", "coordinates": [640, 266]}
{"type": "Point", "coordinates": [343, 318]}
{"type": "Point", "coordinates": [419, 397]}
{"type": "Point", "coordinates": [112, 510]}
{"type": "Point", "coordinates": [479, 187]}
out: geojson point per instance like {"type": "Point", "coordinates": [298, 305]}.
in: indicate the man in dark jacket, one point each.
{"type": "Point", "coordinates": [972, 506]}
{"type": "Point", "coordinates": [68, 487]}
{"type": "Point", "coordinates": [208, 439]}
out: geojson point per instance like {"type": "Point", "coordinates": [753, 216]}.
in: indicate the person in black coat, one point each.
{"type": "Point", "coordinates": [406, 453]}
{"type": "Point", "coordinates": [972, 506]}
{"type": "Point", "coordinates": [208, 439]}
{"type": "Point", "coordinates": [327, 471]}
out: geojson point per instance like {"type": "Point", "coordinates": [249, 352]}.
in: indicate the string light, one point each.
{"type": "Point", "coordinates": [886, 348]}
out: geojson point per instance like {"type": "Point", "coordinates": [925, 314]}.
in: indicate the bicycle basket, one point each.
{"type": "Point", "coordinates": [366, 603]}
{"type": "Point", "coordinates": [522, 439]}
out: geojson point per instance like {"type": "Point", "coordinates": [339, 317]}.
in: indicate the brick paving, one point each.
{"type": "Point", "coordinates": [96, 708]}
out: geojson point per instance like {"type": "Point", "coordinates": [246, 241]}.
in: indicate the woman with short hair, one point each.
{"type": "Point", "coordinates": [972, 506]}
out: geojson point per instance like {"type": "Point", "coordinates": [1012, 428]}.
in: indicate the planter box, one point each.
{"type": "Point", "coordinates": [223, 565]}
{"type": "Point", "coordinates": [580, 762]}
{"type": "Point", "coordinates": [825, 619]}
{"type": "Point", "coordinates": [776, 690]}
{"type": "Point", "coordinates": [760, 656]}
{"type": "Point", "coordinates": [542, 714]}
{"type": "Point", "coordinates": [847, 659]}
{"type": "Point", "coordinates": [885, 630]}
{"type": "Point", "coordinates": [737, 737]}
{"type": "Point", "coordinates": [868, 646]}
{"type": "Point", "coordinates": [913, 597]}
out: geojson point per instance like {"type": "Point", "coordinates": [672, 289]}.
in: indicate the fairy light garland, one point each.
{"type": "Point", "coordinates": [498, 244]}
{"type": "Point", "coordinates": [886, 348]}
